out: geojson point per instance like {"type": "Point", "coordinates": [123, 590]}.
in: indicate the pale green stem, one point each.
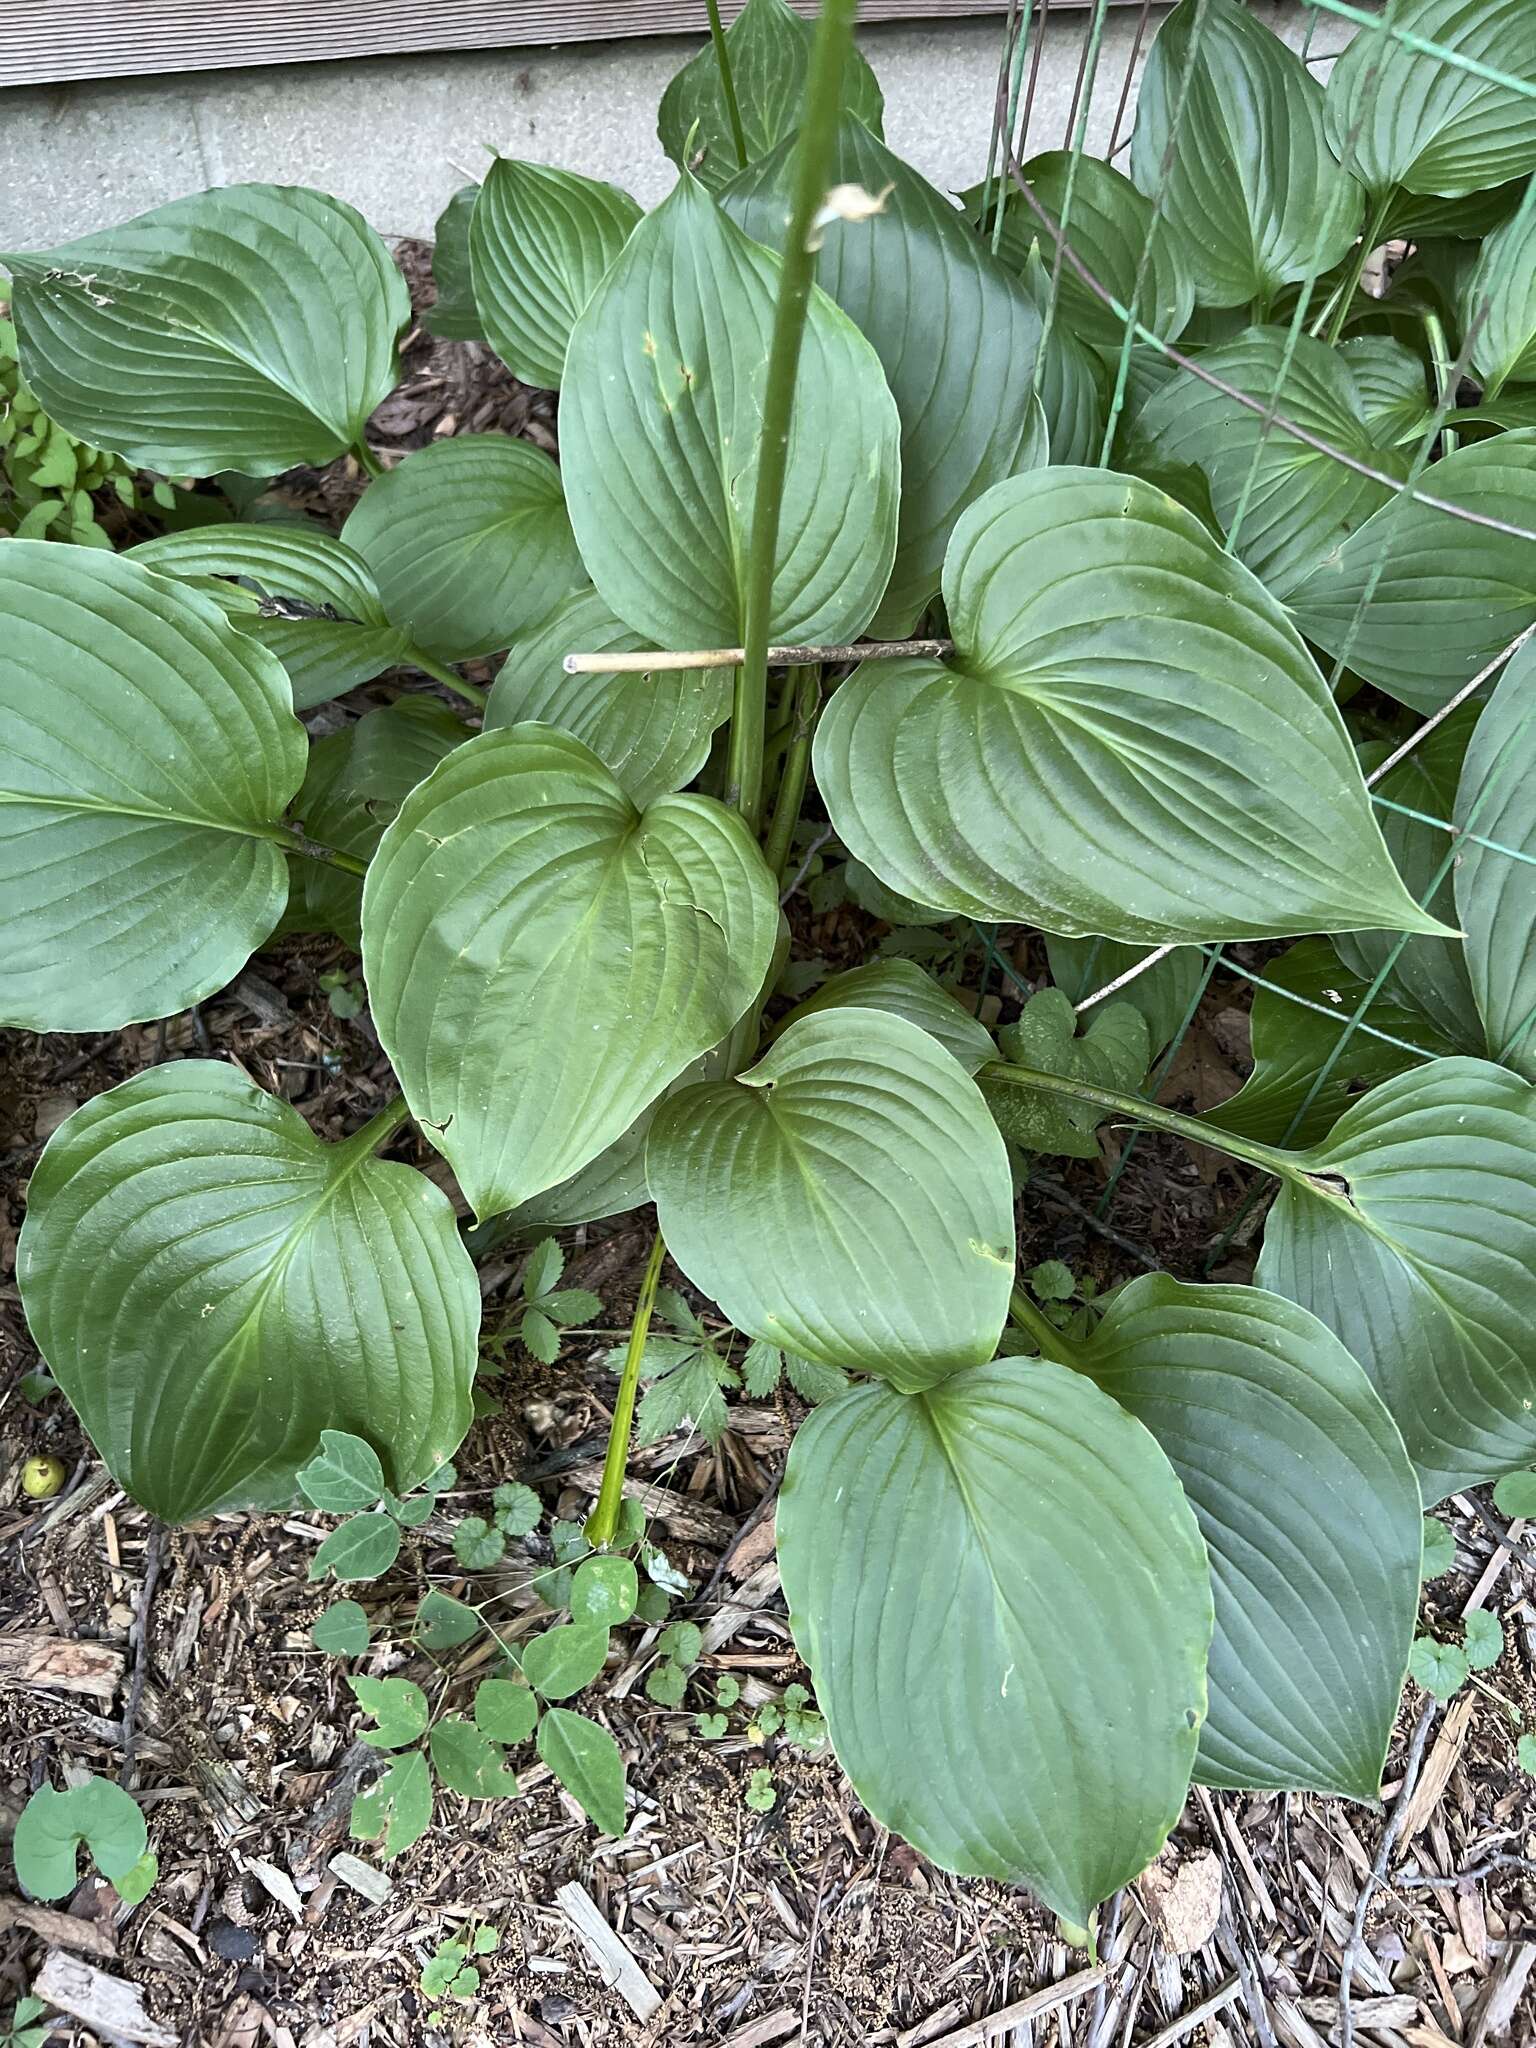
{"type": "Point", "coordinates": [366, 458]}
{"type": "Point", "coordinates": [603, 1522]}
{"type": "Point", "coordinates": [441, 673]}
{"type": "Point", "coordinates": [1049, 1341]}
{"type": "Point", "coordinates": [727, 83]}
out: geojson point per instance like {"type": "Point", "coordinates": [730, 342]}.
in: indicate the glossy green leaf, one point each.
{"type": "Point", "coordinates": [604, 1591]}
{"type": "Point", "coordinates": [1164, 993]}
{"type": "Point", "coordinates": [146, 753]}
{"type": "Point", "coordinates": [213, 1286]}
{"type": "Point", "coordinates": [248, 328]}
{"type": "Point", "coordinates": [1147, 771]}
{"type": "Point", "coordinates": [668, 364]}
{"type": "Point", "coordinates": [343, 1475]}
{"type": "Point", "coordinates": [586, 1760]}
{"type": "Point", "coordinates": [454, 316]}
{"type": "Point", "coordinates": [272, 562]}
{"type": "Point", "coordinates": [1495, 880]}
{"type": "Point", "coordinates": [901, 989]}
{"type": "Point", "coordinates": [768, 47]}
{"type": "Point", "coordinates": [1251, 186]}
{"type": "Point", "coordinates": [543, 958]}
{"type": "Point", "coordinates": [1292, 1044]}
{"type": "Point", "coordinates": [956, 336]}
{"type": "Point", "coordinates": [1005, 1602]}
{"type": "Point", "coordinates": [364, 1547]}
{"type": "Point", "coordinates": [467, 1761]}
{"type": "Point", "coordinates": [53, 1826]}
{"type": "Point", "coordinates": [398, 1808]}
{"type": "Point", "coordinates": [1429, 974]}
{"type": "Point", "coordinates": [1301, 502]}
{"type": "Point", "coordinates": [539, 242]}
{"type": "Point", "coordinates": [1310, 1512]}
{"type": "Point", "coordinates": [1504, 345]}
{"type": "Point", "coordinates": [653, 729]}
{"type": "Point", "coordinates": [565, 1658]}
{"type": "Point", "coordinates": [1452, 592]}
{"type": "Point", "coordinates": [505, 1709]}
{"type": "Point", "coordinates": [847, 1198]}
{"type": "Point", "coordinates": [1423, 123]}
{"type": "Point", "coordinates": [469, 541]}
{"type": "Point", "coordinates": [1111, 1048]}
{"type": "Point", "coordinates": [1426, 1267]}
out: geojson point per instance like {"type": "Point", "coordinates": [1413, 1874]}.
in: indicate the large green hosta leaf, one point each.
{"type": "Point", "coordinates": [1504, 346]}
{"type": "Point", "coordinates": [768, 46]}
{"type": "Point", "coordinates": [147, 752]}
{"type": "Point", "coordinates": [323, 656]}
{"type": "Point", "coordinates": [470, 542]}
{"type": "Point", "coordinates": [1423, 123]}
{"type": "Point", "coordinates": [660, 417]}
{"type": "Point", "coordinates": [1252, 188]}
{"type": "Point", "coordinates": [1300, 502]}
{"type": "Point", "coordinates": [652, 729]}
{"type": "Point", "coordinates": [543, 958]}
{"type": "Point", "coordinates": [213, 1286]}
{"type": "Point", "coordinates": [1131, 739]}
{"type": "Point", "coordinates": [955, 334]}
{"type": "Point", "coordinates": [1495, 877]}
{"type": "Point", "coordinates": [538, 243]}
{"type": "Point", "coordinates": [248, 328]}
{"type": "Point", "coordinates": [1452, 593]}
{"type": "Point", "coordinates": [1426, 1267]}
{"type": "Point", "coordinates": [847, 1198]}
{"type": "Point", "coordinates": [1005, 1601]}
{"type": "Point", "coordinates": [1309, 1509]}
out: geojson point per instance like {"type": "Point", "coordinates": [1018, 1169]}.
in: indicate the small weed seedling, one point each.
{"type": "Point", "coordinates": [449, 1972]}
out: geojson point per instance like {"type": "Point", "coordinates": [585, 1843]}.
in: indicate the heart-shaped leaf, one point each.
{"type": "Point", "coordinates": [659, 441]}
{"type": "Point", "coordinates": [544, 958]}
{"type": "Point", "coordinates": [246, 328]}
{"type": "Point", "coordinates": [1299, 502]}
{"type": "Point", "coordinates": [901, 989]}
{"type": "Point", "coordinates": [1495, 886]}
{"type": "Point", "coordinates": [1316, 1574]}
{"type": "Point", "coordinates": [539, 242]}
{"type": "Point", "coordinates": [470, 542]}
{"type": "Point", "coordinates": [1504, 344]}
{"type": "Point", "coordinates": [1107, 764]}
{"type": "Point", "coordinates": [1424, 1263]}
{"type": "Point", "coordinates": [768, 48]}
{"type": "Point", "coordinates": [1004, 1598]}
{"type": "Point", "coordinates": [847, 1198]}
{"type": "Point", "coordinates": [1450, 592]}
{"type": "Point", "coordinates": [53, 1826]}
{"type": "Point", "coordinates": [190, 1240]}
{"type": "Point", "coordinates": [1114, 1051]}
{"type": "Point", "coordinates": [454, 317]}
{"type": "Point", "coordinates": [652, 729]}
{"type": "Point", "coordinates": [958, 351]}
{"type": "Point", "coordinates": [1420, 121]}
{"type": "Point", "coordinates": [1250, 184]}
{"type": "Point", "coordinates": [307, 571]}
{"type": "Point", "coordinates": [147, 751]}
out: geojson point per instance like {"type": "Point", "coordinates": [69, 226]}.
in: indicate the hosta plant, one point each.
{"type": "Point", "coordinates": [1045, 1568]}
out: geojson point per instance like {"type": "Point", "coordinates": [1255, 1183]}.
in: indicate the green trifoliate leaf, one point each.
{"type": "Point", "coordinates": [1440, 1668]}
{"type": "Point", "coordinates": [364, 1547]}
{"type": "Point", "coordinates": [833, 1194]}
{"type": "Point", "coordinates": [901, 989]}
{"type": "Point", "coordinates": [518, 1509]}
{"type": "Point", "coordinates": [96, 647]}
{"type": "Point", "coordinates": [586, 1760]}
{"type": "Point", "coordinates": [958, 353]}
{"type": "Point", "coordinates": [768, 47]}
{"type": "Point", "coordinates": [1113, 1051]}
{"type": "Point", "coordinates": [398, 1807]}
{"type": "Point", "coordinates": [546, 1262]}
{"type": "Point", "coordinates": [1423, 123]}
{"type": "Point", "coordinates": [468, 1762]}
{"type": "Point", "coordinates": [1316, 1572]}
{"type": "Point", "coordinates": [53, 1826]}
{"type": "Point", "coordinates": [1249, 183]}
{"type": "Point", "coordinates": [931, 1548]}
{"type": "Point", "coordinates": [543, 958]}
{"type": "Point", "coordinates": [189, 1236]}
{"type": "Point", "coordinates": [686, 1394]}
{"type": "Point", "coordinates": [285, 574]}
{"type": "Point", "coordinates": [565, 1658]}
{"type": "Point", "coordinates": [342, 1631]}
{"type": "Point", "coordinates": [539, 242]}
{"type": "Point", "coordinates": [1166, 774]}
{"type": "Point", "coordinates": [505, 1710]}
{"type": "Point", "coordinates": [1495, 889]}
{"type": "Point", "coordinates": [248, 328]}
{"type": "Point", "coordinates": [470, 542]}
{"type": "Point", "coordinates": [1452, 592]}
{"type": "Point", "coordinates": [443, 1623]}
{"type": "Point", "coordinates": [397, 1708]}
{"type": "Point", "coordinates": [652, 729]}
{"type": "Point", "coordinates": [1436, 1308]}
{"type": "Point", "coordinates": [1484, 1639]}
{"type": "Point", "coordinates": [477, 1546]}
{"type": "Point", "coordinates": [454, 317]}
{"type": "Point", "coordinates": [659, 436]}
{"type": "Point", "coordinates": [343, 1475]}
{"type": "Point", "coordinates": [604, 1591]}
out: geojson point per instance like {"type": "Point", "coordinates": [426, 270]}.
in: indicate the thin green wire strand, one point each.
{"type": "Point", "coordinates": [1000, 138]}
{"type": "Point", "coordinates": [1079, 131]}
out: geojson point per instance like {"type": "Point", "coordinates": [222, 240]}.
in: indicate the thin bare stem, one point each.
{"type": "Point", "coordinates": [727, 83]}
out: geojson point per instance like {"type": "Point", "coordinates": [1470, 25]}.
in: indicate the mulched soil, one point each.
{"type": "Point", "coordinates": [181, 1660]}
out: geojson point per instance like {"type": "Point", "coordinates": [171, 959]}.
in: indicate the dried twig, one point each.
{"type": "Point", "coordinates": [1378, 1872]}
{"type": "Point", "coordinates": [138, 1651]}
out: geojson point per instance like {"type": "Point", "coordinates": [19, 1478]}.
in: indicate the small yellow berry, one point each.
{"type": "Point", "coordinates": [42, 1478]}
